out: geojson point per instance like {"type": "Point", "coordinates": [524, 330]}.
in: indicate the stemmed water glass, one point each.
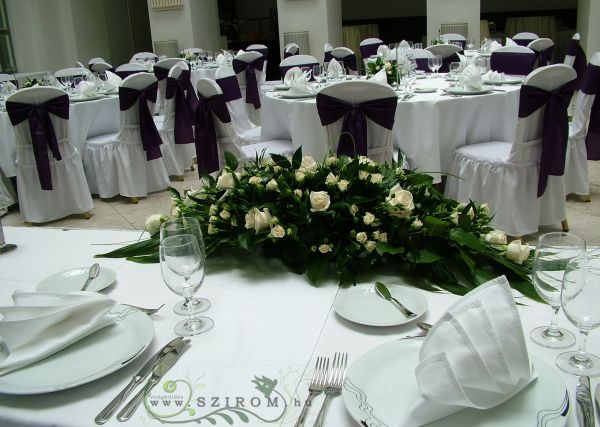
{"type": "Point", "coordinates": [482, 63]}
{"type": "Point", "coordinates": [319, 74]}
{"type": "Point", "coordinates": [190, 226]}
{"type": "Point", "coordinates": [67, 82]}
{"type": "Point", "coordinates": [470, 43]}
{"type": "Point", "coordinates": [579, 299]}
{"type": "Point", "coordinates": [553, 252]}
{"type": "Point", "coordinates": [182, 268]}
{"type": "Point", "coordinates": [434, 63]}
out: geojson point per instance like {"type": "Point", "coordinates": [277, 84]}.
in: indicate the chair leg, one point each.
{"type": "Point", "coordinates": [86, 215]}
{"type": "Point", "coordinates": [134, 200]}
{"type": "Point", "coordinates": [565, 225]}
{"type": "Point", "coordinates": [584, 198]}
{"type": "Point", "coordinates": [180, 178]}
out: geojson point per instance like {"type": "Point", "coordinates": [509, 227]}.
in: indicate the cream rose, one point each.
{"type": "Point", "coordinates": [298, 192]}
{"type": "Point", "coordinates": [331, 160]}
{"type": "Point", "coordinates": [212, 229]}
{"type": "Point", "coordinates": [254, 180]}
{"type": "Point", "coordinates": [382, 237]}
{"type": "Point", "coordinates": [213, 209]}
{"type": "Point", "coordinates": [401, 201]}
{"type": "Point", "coordinates": [153, 223]}
{"type": "Point", "coordinates": [272, 185]}
{"type": "Point", "coordinates": [343, 185]}
{"type": "Point", "coordinates": [361, 237]}
{"type": "Point", "coordinates": [417, 223]}
{"type": "Point", "coordinates": [353, 209]}
{"type": "Point", "coordinates": [324, 248]}
{"type": "Point", "coordinates": [368, 218]}
{"type": "Point", "coordinates": [299, 176]}
{"type": "Point", "coordinates": [225, 214]}
{"type": "Point", "coordinates": [319, 201]}
{"type": "Point", "coordinates": [258, 220]}
{"type": "Point", "coordinates": [370, 246]}
{"type": "Point", "coordinates": [308, 165]}
{"type": "Point", "coordinates": [226, 181]}
{"type": "Point", "coordinates": [485, 209]}
{"type": "Point", "coordinates": [377, 178]}
{"type": "Point", "coordinates": [496, 237]}
{"type": "Point", "coordinates": [331, 179]}
{"type": "Point", "coordinates": [363, 175]}
{"type": "Point", "coordinates": [517, 252]}
{"type": "Point", "coordinates": [278, 231]}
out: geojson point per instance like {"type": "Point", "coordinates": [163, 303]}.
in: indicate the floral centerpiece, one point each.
{"type": "Point", "coordinates": [392, 70]}
{"type": "Point", "coordinates": [346, 214]}
{"type": "Point", "coordinates": [188, 56]}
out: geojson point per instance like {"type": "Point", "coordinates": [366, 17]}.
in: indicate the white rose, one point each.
{"type": "Point", "coordinates": [454, 217]}
{"type": "Point", "coordinates": [401, 199]}
{"type": "Point", "coordinates": [276, 168]}
{"type": "Point", "coordinates": [324, 248]}
{"type": "Point", "coordinates": [331, 160]}
{"type": "Point", "coordinates": [319, 201]}
{"type": "Point", "coordinates": [368, 218]}
{"type": "Point", "coordinates": [343, 185]}
{"type": "Point", "coordinates": [225, 181]}
{"type": "Point", "coordinates": [278, 231]}
{"type": "Point", "coordinates": [377, 178]}
{"type": "Point", "coordinates": [254, 180]}
{"type": "Point", "coordinates": [267, 161]}
{"type": "Point", "coordinates": [213, 209]}
{"type": "Point", "coordinates": [331, 179]}
{"type": "Point", "coordinates": [308, 165]}
{"type": "Point", "coordinates": [175, 212]}
{"type": "Point", "coordinates": [417, 223]}
{"type": "Point", "coordinates": [382, 237]}
{"type": "Point", "coordinates": [212, 229]}
{"type": "Point", "coordinates": [485, 209]}
{"type": "Point", "coordinates": [213, 218]}
{"type": "Point", "coordinates": [353, 209]}
{"type": "Point", "coordinates": [388, 65]}
{"type": "Point", "coordinates": [225, 214]}
{"type": "Point", "coordinates": [272, 185]}
{"type": "Point", "coordinates": [361, 237]}
{"type": "Point", "coordinates": [153, 223]}
{"type": "Point", "coordinates": [299, 176]}
{"type": "Point", "coordinates": [258, 220]}
{"type": "Point", "coordinates": [399, 171]}
{"type": "Point", "coordinates": [298, 192]}
{"type": "Point", "coordinates": [362, 175]}
{"type": "Point", "coordinates": [370, 246]}
{"type": "Point", "coordinates": [517, 252]}
{"type": "Point", "coordinates": [496, 237]}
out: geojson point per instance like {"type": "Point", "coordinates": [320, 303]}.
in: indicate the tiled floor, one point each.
{"type": "Point", "coordinates": [120, 213]}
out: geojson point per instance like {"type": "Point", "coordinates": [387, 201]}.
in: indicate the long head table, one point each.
{"type": "Point", "coordinates": [269, 325]}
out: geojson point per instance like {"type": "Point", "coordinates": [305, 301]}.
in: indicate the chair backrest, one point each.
{"type": "Point", "coordinates": [543, 48]}
{"type": "Point", "coordinates": [523, 39]}
{"type": "Point", "coordinates": [193, 50]}
{"type": "Point", "coordinates": [248, 57]}
{"type": "Point", "coordinates": [291, 49]}
{"type": "Point", "coordinates": [347, 57]}
{"type": "Point", "coordinates": [421, 56]}
{"type": "Point", "coordinates": [137, 81]}
{"type": "Point", "coordinates": [169, 108]}
{"type": "Point", "coordinates": [73, 71]}
{"type": "Point", "coordinates": [454, 38]}
{"type": "Point", "coordinates": [126, 70]}
{"type": "Point", "coordinates": [587, 97]}
{"type": "Point", "coordinates": [100, 67]}
{"type": "Point", "coordinates": [226, 79]}
{"type": "Point", "coordinates": [572, 49]}
{"type": "Point", "coordinates": [297, 61]}
{"type": "Point", "coordinates": [258, 48]}
{"type": "Point", "coordinates": [327, 48]}
{"type": "Point", "coordinates": [7, 78]}
{"type": "Point", "coordinates": [368, 47]}
{"type": "Point", "coordinates": [516, 60]}
{"type": "Point", "coordinates": [379, 139]}
{"type": "Point", "coordinates": [143, 56]}
{"type": "Point", "coordinates": [95, 60]}
{"type": "Point", "coordinates": [444, 50]}
{"type": "Point", "coordinates": [161, 69]}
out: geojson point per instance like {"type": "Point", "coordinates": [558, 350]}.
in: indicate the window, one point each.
{"type": "Point", "coordinates": [7, 57]}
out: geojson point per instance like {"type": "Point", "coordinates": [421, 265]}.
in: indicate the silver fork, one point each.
{"type": "Point", "coordinates": [334, 384]}
{"type": "Point", "coordinates": [317, 384]}
{"type": "Point", "coordinates": [147, 311]}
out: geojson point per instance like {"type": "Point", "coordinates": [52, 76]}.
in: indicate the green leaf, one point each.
{"type": "Point", "coordinates": [231, 161]}
{"type": "Point", "coordinates": [427, 256]}
{"type": "Point", "coordinates": [225, 417]}
{"type": "Point", "coordinates": [297, 158]}
{"type": "Point", "coordinates": [467, 239]}
{"type": "Point", "coordinates": [281, 160]}
{"type": "Point", "coordinates": [245, 239]}
{"type": "Point", "coordinates": [242, 416]}
{"type": "Point", "coordinates": [315, 267]}
{"type": "Point", "coordinates": [144, 259]}
{"type": "Point", "coordinates": [175, 193]}
{"type": "Point", "coordinates": [211, 420]}
{"type": "Point", "coordinates": [143, 247]}
{"type": "Point", "coordinates": [436, 226]}
{"type": "Point", "coordinates": [386, 248]}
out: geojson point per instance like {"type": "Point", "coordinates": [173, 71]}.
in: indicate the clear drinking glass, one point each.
{"type": "Point", "coordinates": [182, 268]}
{"type": "Point", "coordinates": [579, 299]}
{"type": "Point", "coordinates": [470, 43]}
{"type": "Point", "coordinates": [553, 252]}
{"type": "Point", "coordinates": [318, 73]}
{"type": "Point", "coordinates": [482, 63]}
{"type": "Point", "coordinates": [67, 82]}
{"type": "Point", "coordinates": [454, 70]}
{"type": "Point", "coordinates": [191, 226]}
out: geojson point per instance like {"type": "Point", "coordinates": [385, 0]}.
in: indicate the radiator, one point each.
{"type": "Point", "coordinates": [166, 4]}
{"type": "Point", "coordinates": [168, 48]}
{"type": "Point", "coordinates": [300, 38]}
{"type": "Point", "coordinates": [462, 29]}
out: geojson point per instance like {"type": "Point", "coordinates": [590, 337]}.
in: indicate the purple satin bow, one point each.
{"type": "Point", "coordinates": [160, 72]}
{"type": "Point", "coordinates": [230, 88]}
{"type": "Point", "coordinates": [512, 63]}
{"type": "Point", "coordinates": [367, 50]}
{"type": "Point", "coordinates": [149, 134]}
{"type": "Point", "coordinates": [349, 62]}
{"type": "Point", "coordinates": [590, 85]}
{"type": "Point", "coordinates": [544, 56]}
{"type": "Point", "coordinates": [523, 42]}
{"type": "Point", "coordinates": [207, 151]}
{"type": "Point", "coordinates": [252, 95]}
{"type": "Point", "coordinates": [353, 139]}
{"type": "Point", "coordinates": [580, 63]}
{"type": "Point", "coordinates": [555, 132]}
{"type": "Point", "coordinates": [184, 111]}
{"type": "Point", "coordinates": [327, 56]}
{"type": "Point", "coordinates": [42, 131]}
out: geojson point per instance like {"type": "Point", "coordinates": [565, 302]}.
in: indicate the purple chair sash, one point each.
{"type": "Point", "coordinates": [590, 85]}
{"type": "Point", "coordinates": [230, 88]}
{"type": "Point", "coordinates": [161, 73]}
{"type": "Point", "coordinates": [349, 62]}
{"type": "Point", "coordinates": [369, 49]}
{"type": "Point", "coordinates": [422, 64]}
{"type": "Point", "coordinates": [125, 74]}
{"type": "Point", "coordinates": [252, 95]}
{"type": "Point", "coordinates": [523, 42]}
{"type": "Point", "coordinates": [190, 93]}
{"type": "Point", "coordinates": [447, 61]}
{"type": "Point", "coordinates": [327, 56]}
{"type": "Point", "coordinates": [284, 69]}
{"type": "Point", "coordinates": [353, 139]}
{"type": "Point", "coordinates": [184, 110]}
{"type": "Point", "coordinates": [512, 63]}
{"type": "Point", "coordinates": [207, 151]}
{"type": "Point", "coordinates": [262, 50]}
{"type": "Point", "coordinates": [545, 56]}
{"type": "Point", "coordinates": [150, 137]}
{"type": "Point", "coordinates": [580, 64]}
{"type": "Point", "coordinates": [555, 126]}
{"type": "Point", "coordinates": [42, 131]}
{"type": "Point", "coordinates": [287, 54]}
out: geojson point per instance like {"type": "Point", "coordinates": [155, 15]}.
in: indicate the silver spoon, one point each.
{"type": "Point", "coordinates": [93, 273]}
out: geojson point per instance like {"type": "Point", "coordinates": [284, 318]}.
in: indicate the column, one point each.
{"type": "Point", "coordinates": [588, 25]}
{"type": "Point", "coordinates": [453, 12]}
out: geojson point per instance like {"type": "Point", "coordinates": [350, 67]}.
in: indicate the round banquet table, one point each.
{"type": "Point", "coordinates": [86, 119]}
{"type": "Point", "coordinates": [427, 128]}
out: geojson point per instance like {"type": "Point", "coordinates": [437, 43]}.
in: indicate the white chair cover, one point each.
{"type": "Point", "coordinates": [131, 67]}
{"type": "Point", "coordinates": [570, 59]}
{"type": "Point", "coordinates": [505, 174]}
{"type": "Point", "coordinates": [181, 155]}
{"type": "Point", "coordinates": [7, 78]}
{"type": "Point", "coordinates": [70, 193]}
{"type": "Point", "coordinates": [95, 60]}
{"type": "Point", "coordinates": [449, 37]}
{"type": "Point", "coordinates": [194, 50]}
{"type": "Point", "coordinates": [247, 132]}
{"type": "Point", "coordinates": [339, 53]}
{"type": "Point", "coordinates": [539, 45]}
{"type": "Point", "coordinates": [162, 84]}
{"type": "Point", "coordinates": [73, 71]}
{"type": "Point", "coordinates": [525, 36]}
{"type": "Point", "coordinates": [116, 163]}
{"type": "Point", "coordinates": [253, 114]}
{"type": "Point", "coordinates": [143, 56]}
{"type": "Point", "coordinates": [576, 168]}
{"type": "Point", "coordinates": [291, 49]}
{"type": "Point", "coordinates": [264, 70]}
{"type": "Point", "coordinates": [379, 139]}
{"type": "Point", "coordinates": [7, 194]}
{"type": "Point", "coordinates": [100, 67]}
{"type": "Point", "coordinates": [444, 50]}
{"type": "Point", "coordinates": [227, 139]}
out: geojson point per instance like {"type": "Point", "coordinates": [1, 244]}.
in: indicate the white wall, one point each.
{"type": "Point", "coordinates": [588, 24]}
{"type": "Point", "coordinates": [205, 24]}
{"type": "Point", "coordinates": [173, 24]}
{"type": "Point", "coordinates": [89, 24]}
{"type": "Point", "coordinates": [452, 11]}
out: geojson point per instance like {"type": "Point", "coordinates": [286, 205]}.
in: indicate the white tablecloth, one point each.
{"type": "Point", "coordinates": [203, 73]}
{"type": "Point", "coordinates": [86, 119]}
{"type": "Point", "coordinates": [268, 322]}
{"type": "Point", "coordinates": [427, 128]}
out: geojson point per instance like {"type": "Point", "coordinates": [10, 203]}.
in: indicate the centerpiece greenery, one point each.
{"type": "Point", "coordinates": [346, 214]}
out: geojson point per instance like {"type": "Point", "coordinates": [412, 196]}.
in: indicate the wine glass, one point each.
{"type": "Point", "coordinates": [470, 43]}
{"type": "Point", "coordinates": [182, 268]}
{"type": "Point", "coordinates": [579, 299]}
{"type": "Point", "coordinates": [438, 62]}
{"type": "Point", "coordinates": [553, 252]}
{"type": "Point", "coordinates": [318, 72]}
{"type": "Point", "coordinates": [454, 70]}
{"type": "Point", "coordinates": [67, 82]}
{"type": "Point", "coordinates": [191, 226]}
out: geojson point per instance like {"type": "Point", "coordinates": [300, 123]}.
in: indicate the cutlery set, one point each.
{"type": "Point", "coordinates": [155, 367]}
{"type": "Point", "coordinates": [328, 380]}
{"type": "Point", "coordinates": [584, 404]}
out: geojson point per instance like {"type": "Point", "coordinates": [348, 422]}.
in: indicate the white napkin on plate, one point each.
{"type": "Point", "coordinates": [494, 45]}
{"type": "Point", "coordinates": [149, 65]}
{"type": "Point", "coordinates": [404, 45]}
{"type": "Point", "coordinates": [300, 85]}
{"type": "Point", "coordinates": [86, 89]}
{"type": "Point", "coordinates": [382, 50]}
{"type": "Point", "coordinates": [113, 82]}
{"type": "Point", "coordinates": [380, 77]}
{"type": "Point", "coordinates": [220, 60]}
{"type": "Point", "coordinates": [42, 323]}
{"type": "Point", "coordinates": [291, 75]}
{"type": "Point", "coordinates": [493, 77]}
{"type": "Point", "coordinates": [475, 356]}
{"type": "Point", "coordinates": [8, 86]}
{"type": "Point", "coordinates": [334, 69]}
{"type": "Point", "coordinates": [240, 52]}
{"type": "Point", "coordinates": [470, 78]}
{"type": "Point", "coordinates": [464, 62]}
{"type": "Point", "coordinates": [510, 42]}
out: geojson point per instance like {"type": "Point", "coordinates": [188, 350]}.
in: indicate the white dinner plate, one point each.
{"type": "Point", "coordinates": [73, 280]}
{"type": "Point", "coordinates": [288, 95]}
{"type": "Point", "coordinates": [459, 91]}
{"type": "Point", "coordinates": [281, 87]}
{"type": "Point", "coordinates": [88, 359]}
{"type": "Point", "coordinates": [381, 384]}
{"type": "Point", "coordinates": [361, 304]}
{"type": "Point", "coordinates": [86, 98]}
{"type": "Point", "coordinates": [506, 81]}
{"type": "Point", "coordinates": [425, 89]}
{"type": "Point", "coordinates": [421, 76]}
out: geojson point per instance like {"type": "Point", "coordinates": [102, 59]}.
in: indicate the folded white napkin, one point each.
{"type": "Point", "coordinates": [8, 86]}
{"type": "Point", "coordinates": [380, 77]}
{"type": "Point", "coordinates": [327, 47]}
{"type": "Point", "coordinates": [40, 324]}
{"type": "Point", "coordinates": [510, 42]}
{"type": "Point", "coordinates": [334, 69]}
{"type": "Point", "coordinates": [291, 75]}
{"type": "Point", "coordinates": [493, 77]}
{"type": "Point", "coordinates": [85, 88]}
{"type": "Point", "coordinates": [149, 65]}
{"type": "Point", "coordinates": [404, 45]}
{"type": "Point", "coordinates": [470, 78]}
{"type": "Point", "coordinates": [475, 356]}
{"type": "Point", "coordinates": [382, 50]}
{"type": "Point", "coordinates": [240, 52]}
{"type": "Point", "coordinates": [113, 82]}
{"type": "Point", "coordinates": [300, 85]}
{"type": "Point", "coordinates": [494, 45]}
{"type": "Point", "coordinates": [464, 62]}
{"type": "Point", "coordinates": [220, 60]}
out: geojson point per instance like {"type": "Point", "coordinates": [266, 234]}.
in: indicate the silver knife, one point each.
{"type": "Point", "coordinates": [137, 379]}
{"type": "Point", "coordinates": [166, 363]}
{"type": "Point", "coordinates": [585, 407]}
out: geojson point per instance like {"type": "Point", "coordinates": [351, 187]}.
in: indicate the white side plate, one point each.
{"type": "Point", "coordinates": [74, 279]}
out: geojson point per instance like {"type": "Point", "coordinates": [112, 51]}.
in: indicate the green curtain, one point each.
{"type": "Point", "coordinates": [543, 26]}
{"type": "Point", "coordinates": [354, 34]}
